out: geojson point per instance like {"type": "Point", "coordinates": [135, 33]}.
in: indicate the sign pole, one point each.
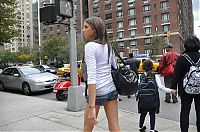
{"type": "Point", "coordinates": [76, 100]}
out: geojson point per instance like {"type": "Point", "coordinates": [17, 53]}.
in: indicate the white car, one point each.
{"type": "Point", "coordinates": [26, 79]}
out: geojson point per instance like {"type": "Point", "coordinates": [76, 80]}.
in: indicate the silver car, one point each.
{"type": "Point", "coordinates": [27, 79]}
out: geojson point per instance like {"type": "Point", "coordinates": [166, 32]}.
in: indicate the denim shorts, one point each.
{"type": "Point", "coordinates": [101, 100]}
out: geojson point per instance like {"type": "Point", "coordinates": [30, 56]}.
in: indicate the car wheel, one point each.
{"type": "Point", "coordinates": [2, 88]}
{"type": "Point", "coordinates": [26, 89]}
{"type": "Point", "coordinates": [61, 96]}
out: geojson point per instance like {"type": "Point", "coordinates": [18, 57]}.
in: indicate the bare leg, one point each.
{"type": "Point", "coordinates": [111, 110]}
{"type": "Point", "coordinates": [88, 124]}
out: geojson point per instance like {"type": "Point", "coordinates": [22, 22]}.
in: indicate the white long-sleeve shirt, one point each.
{"type": "Point", "coordinates": [160, 85]}
{"type": "Point", "coordinates": [98, 68]}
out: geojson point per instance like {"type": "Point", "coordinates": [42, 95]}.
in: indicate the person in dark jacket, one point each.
{"type": "Point", "coordinates": [134, 65]}
{"type": "Point", "coordinates": [192, 47]}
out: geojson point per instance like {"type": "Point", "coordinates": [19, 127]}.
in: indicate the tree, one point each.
{"type": "Point", "coordinates": [153, 47]}
{"type": "Point", "coordinates": [7, 57]}
{"type": "Point", "coordinates": [24, 50]}
{"type": "Point", "coordinates": [7, 21]}
{"type": "Point", "coordinates": [80, 50]}
{"type": "Point", "coordinates": [56, 48]}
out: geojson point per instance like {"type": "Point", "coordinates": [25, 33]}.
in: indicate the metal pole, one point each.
{"type": "Point", "coordinates": [73, 53]}
{"type": "Point", "coordinates": [39, 36]}
{"type": "Point", "coordinates": [76, 99]}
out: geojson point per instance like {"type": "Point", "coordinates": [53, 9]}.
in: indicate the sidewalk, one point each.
{"type": "Point", "coordinates": [26, 113]}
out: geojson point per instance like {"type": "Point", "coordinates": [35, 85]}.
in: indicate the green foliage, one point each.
{"type": "Point", "coordinates": [7, 21]}
{"type": "Point", "coordinates": [24, 50]}
{"type": "Point", "coordinates": [80, 50]}
{"type": "Point", "coordinates": [56, 48]}
{"type": "Point", "coordinates": [7, 57]}
{"type": "Point", "coordinates": [156, 41]}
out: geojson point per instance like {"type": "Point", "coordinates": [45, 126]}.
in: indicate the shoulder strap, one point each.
{"type": "Point", "coordinates": [119, 56]}
{"type": "Point", "coordinates": [188, 59]}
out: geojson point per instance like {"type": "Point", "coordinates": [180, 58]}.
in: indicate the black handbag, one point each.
{"type": "Point", "coordinates": [125, 80]}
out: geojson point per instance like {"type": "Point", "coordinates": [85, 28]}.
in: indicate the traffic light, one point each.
{"type": "Point", "coordinates": [168, 34]}
{"type": "Point", "coordinates": [48, 14]}
{"type": "Point", "coordinates": [64, 8]}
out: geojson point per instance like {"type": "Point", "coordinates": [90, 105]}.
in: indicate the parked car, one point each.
{"type": "Point", "coordinates": [46, 68]}
{"type": "Point", "coordinates": [26, 79]}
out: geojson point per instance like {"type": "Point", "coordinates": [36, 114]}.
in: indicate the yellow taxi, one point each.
{"type": "Point", "coordinates": [155, 65]}
{"type": "Point", "coordinates": [65, 71]}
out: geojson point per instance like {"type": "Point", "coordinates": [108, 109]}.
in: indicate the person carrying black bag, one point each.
{"type": "Point", "coordinates": [134, 65]}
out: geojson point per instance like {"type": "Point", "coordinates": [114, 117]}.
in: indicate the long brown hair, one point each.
{"type": "Point", "coordinates": [99, 26]}
{"type": "Point", "coordinates": [101, 33]}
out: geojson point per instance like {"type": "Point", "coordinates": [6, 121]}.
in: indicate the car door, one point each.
{"type": "Point", "coordinates": [5, 77]}
{"type": "Point", "coordinates": [16, 79]}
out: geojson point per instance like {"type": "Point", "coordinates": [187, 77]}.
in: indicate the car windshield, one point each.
{"type": "Point", "coordinates": [30, 70]}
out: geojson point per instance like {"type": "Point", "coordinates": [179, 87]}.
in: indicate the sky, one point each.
{"type": "Point", "coordinates": [196, 14]}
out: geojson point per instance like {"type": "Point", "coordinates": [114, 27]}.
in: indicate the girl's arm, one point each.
{"type": "Point", "coordinates": [161, 86]}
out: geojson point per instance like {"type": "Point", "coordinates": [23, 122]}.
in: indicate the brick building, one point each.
{"type": "Point", "coordinates": [135, 25]}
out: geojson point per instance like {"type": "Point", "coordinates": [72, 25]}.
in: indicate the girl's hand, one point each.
{"type": "Point", "coordinates": [92, 114]}
{"type": "Point", "coordinates": [174, 92]}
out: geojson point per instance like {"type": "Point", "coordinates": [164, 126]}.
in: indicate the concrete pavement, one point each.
{"type": "Point", "coordinates": [27, 113]}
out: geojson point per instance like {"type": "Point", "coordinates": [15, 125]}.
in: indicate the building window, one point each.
{"type": "Point", "coordinates": [96, 10]}
{"type": "Point", "coordinates": [147, 51]}
{"type": "Point", "coordinates": [165, 28]}
{"type": "Point", "coordinates": [119, 14]}
{"type": "Point", "coordinates": [121, 44]}
{"type": "Point", "coordinates": [108, 7]}
{"type": "Point", "coordinates": [132, 22]}
{"type": "Point", "coordinates": [147, 20]}
{"type": "Point", "coordinates": [164, 5]}
{"type": "Point", "coordinates": [147, 41]}
{"type": "Point", "coordinates": [165, 17]}
{"type": "Point", "coordinates": [120, 24]}
{"type": "Point", "coordinates": [166, 40]}
{"type": "Point", "coordinates": [119, 5]}
{"type": "Point", "coordinates": [146, 8]}
{"type": "Point", "coordinates": [110, 36]}
{"type": "Point", "coordinates": [133, 42]}
{"type": "Point", "coordinates": [109, 26]}
{"type": "Point", "coordinates": [131, 11]}
{"type": "Point", "coordinates": [95, 2]}
{"type": "Point", "coordinates": [109, 16]}
{"type": "Point", "coordinates": [131, 1]}
{"type": "Point", "coordinates": [120, 34]}
{"type": "Point", "coordinates": [132, 32]}
{"type": "Point", "coordinates": [147, 30]}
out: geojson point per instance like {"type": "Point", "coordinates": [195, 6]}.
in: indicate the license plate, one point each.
{"type": "Point", "coordinates": [55, 91]}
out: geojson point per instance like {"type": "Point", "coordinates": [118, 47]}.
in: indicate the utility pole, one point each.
{"type": "Point", "coordinates": [76, 99]}
{"type": "Point", "coordinates": [48, 14]}
{"type": "Point", "coordinates": [39, 33]}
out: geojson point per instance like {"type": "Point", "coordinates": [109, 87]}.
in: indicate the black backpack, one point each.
{"type": "Point", "coordinates": [148, 95]}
